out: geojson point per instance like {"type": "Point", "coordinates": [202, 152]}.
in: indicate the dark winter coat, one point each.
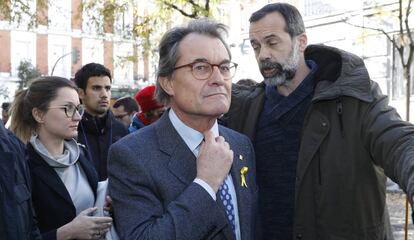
{"type": "Point", "coordinates": [350, 140]}
{"type": "Point", "coordinates": [16, 210]}
{"type": "Point", "coordinates": [51, 200]}
{"type": "Point", "coordinates": [98, 134]}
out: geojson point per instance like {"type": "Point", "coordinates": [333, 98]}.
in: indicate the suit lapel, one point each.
{"type": "Point", "coordinates": [242, 193]}
{"type": "Point", "coordinates": [48, 175]}
{"type": "Point", "coordinates": [52, 180]}
{"type": "Point", "coordinates": [182, 161]}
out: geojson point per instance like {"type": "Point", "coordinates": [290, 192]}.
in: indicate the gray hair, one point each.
{"type": "Point", "coordinates": [168, 49]}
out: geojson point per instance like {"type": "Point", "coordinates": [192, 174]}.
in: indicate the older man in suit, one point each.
{"type": "Point", "coordinates": [186, 177]}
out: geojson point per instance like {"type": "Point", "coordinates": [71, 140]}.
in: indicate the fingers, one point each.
{"type": "Point", "coordinates": [214, 160]}
{"type": "Point", "coordinates": [100, 230]}
{"type": "Point", "coordinates": [98, 234]}
{"type": "Point", "coordinates": [88, 211]}
{"type": "Point", "coordinates": [103, 226]}
{"type": "Point", "coordinates": [222, 141]}
{"type": "Point", "coordinates": [208, 136]}
{"type": "Point", "coordinates": [231, 154]}
{"type": "Point", "coordinates": [100, 220]}
{"type": "Point", "coordinates": [108, 199]}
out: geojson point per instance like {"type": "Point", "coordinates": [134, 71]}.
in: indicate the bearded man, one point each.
{"type": "Point", "coordinates": [324, 136]}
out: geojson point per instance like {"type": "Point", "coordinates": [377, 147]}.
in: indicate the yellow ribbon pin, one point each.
{"type": "Point", "coordinates": [243, 172]}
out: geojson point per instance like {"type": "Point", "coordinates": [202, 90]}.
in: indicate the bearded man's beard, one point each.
{"type": "Point", "coordinates": [281, 73]}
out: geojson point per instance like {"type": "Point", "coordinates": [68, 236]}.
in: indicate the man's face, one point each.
{"type": "Point", "coordinates": [276, 52]}
{"type": "Point", "coordinates": [96, 96]}
{"type": "Point", "coordinates": [122, 115]}
{"type": "Point", "coordinates": [193, 99]}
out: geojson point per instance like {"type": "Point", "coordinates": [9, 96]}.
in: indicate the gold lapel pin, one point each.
{"type": "Point", "coordinates": [243, 173]}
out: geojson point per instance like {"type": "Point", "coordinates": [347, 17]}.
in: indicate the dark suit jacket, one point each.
{"type": "Point", "coordinates": [52, 203]}
{"type": "Point", "coordinates": [151, 175]}
{"type": "Point", "coordinates": [16, 210]}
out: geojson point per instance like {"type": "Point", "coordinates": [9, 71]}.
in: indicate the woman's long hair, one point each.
{"type": "Point", "coordinates": [39, 94]}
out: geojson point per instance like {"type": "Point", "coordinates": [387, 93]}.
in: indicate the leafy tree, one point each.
{"type": "Point", "coordinates": [145, 28]}
{"type": "Point", "coordinates": [20, 12]}
{"type": "Point", "coordinates": [26, 72]}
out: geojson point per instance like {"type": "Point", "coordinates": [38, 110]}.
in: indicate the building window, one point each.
{"type": "Point", "coordinates": [59, 51]}
{"type": "Point", "coordinates": [23, 47]}
{"type": "Point", "coordinates": [92, 51]}
{"type": "Point", "coordinates": [123, 67]}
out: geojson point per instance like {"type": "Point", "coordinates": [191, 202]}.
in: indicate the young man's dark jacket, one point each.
{"type": "Point", "coordinates": [97, 134]}
{"type": "Point", "coordinates": [16, 210]}
{"type": "Point", "coordinates": [350, 139]}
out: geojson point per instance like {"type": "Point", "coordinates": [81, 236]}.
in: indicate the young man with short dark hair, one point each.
{"type": "Point", "coordinates": [98, 128]}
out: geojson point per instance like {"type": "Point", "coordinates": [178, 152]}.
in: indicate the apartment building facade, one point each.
{"type": "Point", "coordinates": [63, 31]}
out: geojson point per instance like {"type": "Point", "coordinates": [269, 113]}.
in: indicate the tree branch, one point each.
{"type": "Point", "coordinates": [193, 3]}
{"type": "Point", "coordinates": [375, 29]}
{"type": "Point", "coordinates": [196, 8]}
{"type": "Point", "coordinates": [207, 6]}
{"type": "Point", "coordinates": [192, 15]}
{"type": "Point", "coordinates": [410, 55]}
{"type": "Point", "coordinates": [24, 5]}
{"type": "Point", "coordinates": [407, 25]}
{"type": "Point", "coordinates": [400, 19]}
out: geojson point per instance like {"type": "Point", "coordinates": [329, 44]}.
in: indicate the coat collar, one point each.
{"type": "Point", "coordinates": [96, 125]}
{"type": "Point", "coordinates": [339, 73]}
{"type": "Point", "coordinates": [50, 178]}
{"type": "Point", "coordinates": [182, 161]}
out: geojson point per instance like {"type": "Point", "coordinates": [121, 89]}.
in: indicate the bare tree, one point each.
{"type": "Point", "coordinates": [402, 40]}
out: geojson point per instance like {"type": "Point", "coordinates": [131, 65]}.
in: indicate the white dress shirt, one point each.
{"type": "Point", "coordinates": [193, 140]}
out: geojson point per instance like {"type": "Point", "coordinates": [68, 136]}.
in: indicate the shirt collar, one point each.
{"type": "Point", "coordinates": [191, 137]}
